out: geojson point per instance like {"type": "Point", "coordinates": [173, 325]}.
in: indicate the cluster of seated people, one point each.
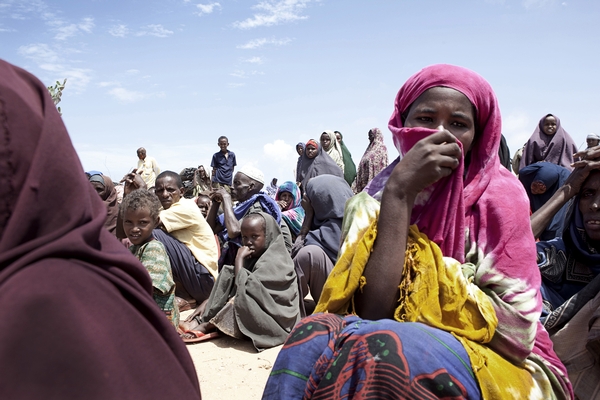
{"type": "Point", "coordinates": [438, 277]}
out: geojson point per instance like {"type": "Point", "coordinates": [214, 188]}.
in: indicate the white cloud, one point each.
{"type": "Point", "coordinates": [235, 85]}
{"type": "Point", "coordinates": [108, 84]}
{"type": "Point", "coordinates": [256, 43]}
{"type": "Point", "coordinates": [254, 60]}
{"type": "Point", "coordinates": [274, 13]}
{"type": "Point", "coordinates": [154, 30]}
{"type": "Point", "coordinates": [119, 30]}
{"type": "Point", "coordinates": [280, 152]}
{"type": "Point", "coordinates": [538, 3]}
{"type": "Point", "coordinates": [133, 71]}
{"type": "Point", "coordinates": [131, 96]}
{"type": "Point", "coordinates": [66, 31]}
{"type": "Point", "coordinates": [49, 60]}
{"type": "Point", "coordinates": [126, 96]}
{"type": "Point", "coordinates": [245, 74]}
{"type": "Point", "coordinates": [207, 8]}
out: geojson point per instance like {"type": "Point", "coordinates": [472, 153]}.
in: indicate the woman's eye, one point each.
{"type": "Point", "coordinates": [459, 124]}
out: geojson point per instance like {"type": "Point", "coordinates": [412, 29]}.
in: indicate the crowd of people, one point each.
{"type": "Point", "coordinates": [440, 274]}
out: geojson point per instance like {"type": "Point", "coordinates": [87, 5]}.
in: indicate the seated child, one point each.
{"type": "Point", "coordinates": [203, 202]}
{"type": "Point", "coordinates": [139, 211]}
{"type": "Point", "coordinates": [256, 298]}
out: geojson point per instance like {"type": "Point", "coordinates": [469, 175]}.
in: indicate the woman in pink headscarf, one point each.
{"type": "Point", "coordinates": [436, 290]}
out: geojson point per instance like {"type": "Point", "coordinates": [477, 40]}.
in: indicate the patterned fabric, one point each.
{"type": "Point", "coordinates": [293, 215]}
{"type": "Point", "coordinates": [557, 148]}
{"type": "Point", "coordinates": [373, 161]}
{"type": "Point", "coordinates": [331, 357]}
{"type": "Point", "coordinates": [154, 257]}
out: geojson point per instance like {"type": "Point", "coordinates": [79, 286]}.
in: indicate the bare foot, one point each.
{"type": "Point", "coordinates": [204, 327]}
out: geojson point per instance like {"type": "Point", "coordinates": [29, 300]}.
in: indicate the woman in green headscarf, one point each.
{"type": "Point", "coordinates": [349, 167]}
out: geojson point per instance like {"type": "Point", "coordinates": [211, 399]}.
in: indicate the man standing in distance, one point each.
{"type": "Point", "coordinates": [147, 167]}
{"type": "Point", "coordinates": [223, 163]}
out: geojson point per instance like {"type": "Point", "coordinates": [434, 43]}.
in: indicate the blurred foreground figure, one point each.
{"type": "Point", "coordinates": [77, 318]}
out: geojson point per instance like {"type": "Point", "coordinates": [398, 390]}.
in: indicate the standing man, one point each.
{"type": "Point", "coordinates": [223, 163]}
{"type": "Point", "coordinates": [147, 167]}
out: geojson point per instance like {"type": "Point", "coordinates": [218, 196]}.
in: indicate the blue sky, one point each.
{"type": "Point", "coordinates": [174, 75]}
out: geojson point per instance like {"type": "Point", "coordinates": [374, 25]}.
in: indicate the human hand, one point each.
{"type": "Point", "coordinates": [219, 195]}
{"type": "Point", "coordinates": [133, 181]}
{"type": "Point", "coordinates": [282, 204]}
{"type": "Point", "coordinates": [429, 160]}
{"type": "Point", "coordinates": [298, 244]}
{"type": "Point", "coordinates": [305, 203]}
{"type": "Point", "coordinates": [593, 153]}
{"type": "Point", "coordinates": [582, 170]}
{"type": "Point", "coordinates": [243, 253]}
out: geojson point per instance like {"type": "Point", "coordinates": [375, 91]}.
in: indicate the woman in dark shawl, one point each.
{"type": "Point", "coordinates": [257, 299]}
{"type": "Point", "coordinates": [107, 192]}
{"type": "Point", "coordinates": [373, 161]}
{"type": "Point", "coordinates": [77, 319]}
{"type": "Point", "coordinates": [570, 269]}
{"type": "Point", "coordinates": [316, 248]}
{"type": "Point", "coordinates": [549, 142]}
{"type": "Point", "coordinates": [316, 163]}
{"type": "Point", "coordinates": [299, 150]}
{"type": "Point", "coordinates": [541, 180]}
{"type": "Point", "coordinates": [349, 166]}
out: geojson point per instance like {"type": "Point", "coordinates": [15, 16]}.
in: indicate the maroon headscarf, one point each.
{"type": "Point", "coordinates": [557, 149]}
{"type": "Point", "coordinates": [77, 317]}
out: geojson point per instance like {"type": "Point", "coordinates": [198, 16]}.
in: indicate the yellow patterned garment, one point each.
{"type": "Point", "coordinates": [437, 291]}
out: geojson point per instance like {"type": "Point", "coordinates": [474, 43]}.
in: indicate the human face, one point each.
{"type": "Point", "coordinates": [538, 187]}
{"type": "Point", "coordinates": [299, 150]}
{"type": "Point", "coordinates": [592, 142]}
{"type": "Point", "coordinates": [325, 141]}
{"type": "Point", "coordinates": [589, 206]}
{"type": "Point", "coordinates": [254, 235]}
{"type": "Point", "coordinates": [549, 126]}
{"type": "Point", "coordinates": [311, 151]}
{"type": "Point", "coordinates": [204, 205]}
{"type": "Point", "coordinates": [446, 107]}
{"type": "Point", "coordinates": [138, 225]}
{"type": "Point", "coordinates": [98, 187]}
{"type": "Point", "coordinates": [141, 154]}
{"type": "Point", "coordinates": [223, 143]}
{"type": "Point", "coordinates": [242, 187]}
{"type": "Point", "coordinates": [287, 198]}
{"type": "Point", "coordinates": [338, 137]}
{"type": "Point", "coordinates": [167, 191]}
{"type": "Point", "coordinates": [371, 136]}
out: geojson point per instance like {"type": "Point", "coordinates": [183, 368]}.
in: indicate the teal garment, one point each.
{"type": "Point", "coordinates": [349, 166]}
{"type": "Point", "coordinates": [153, 255]}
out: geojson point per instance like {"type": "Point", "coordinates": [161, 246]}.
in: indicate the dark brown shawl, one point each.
{"type": "Point", "coordinates": [77, 317]}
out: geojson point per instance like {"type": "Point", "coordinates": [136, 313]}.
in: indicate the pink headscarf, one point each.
{"type": "Point", "coordinates": [490, 207]}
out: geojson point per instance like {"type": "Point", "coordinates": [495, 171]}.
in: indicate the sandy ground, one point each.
{"type": "Point", "coordinates": [229, 368]}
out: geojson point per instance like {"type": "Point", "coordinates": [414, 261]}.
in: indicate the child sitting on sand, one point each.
{"type": "Point", "coordinates": [139, 212]}
{"type": "Point", "coordinates": [256, 298]}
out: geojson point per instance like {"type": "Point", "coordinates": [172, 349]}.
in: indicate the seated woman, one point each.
{"type": "Point", "coordinates": [445, 249]}
{"type": "Point", "coordinates": [549, 142]}
{"type": "Point", "coordinates": [541, 180]}
{"type": "Point", "coordinates": [78, 318]}
{"type": "Point", "coordinates": [289, 199]}
{"type": "Point", "coordinates": [105, 188]}
{"type": "Point", "coordinates": [201, 181]}
{"type": "Point", "coordinates": [257, 298]}
{"type": "Point", "coordinates": [316, 162]}
{"type": "Point", "coordinates": [570, 268]}
{"type": "Point", "coordinates": [316, 248]}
